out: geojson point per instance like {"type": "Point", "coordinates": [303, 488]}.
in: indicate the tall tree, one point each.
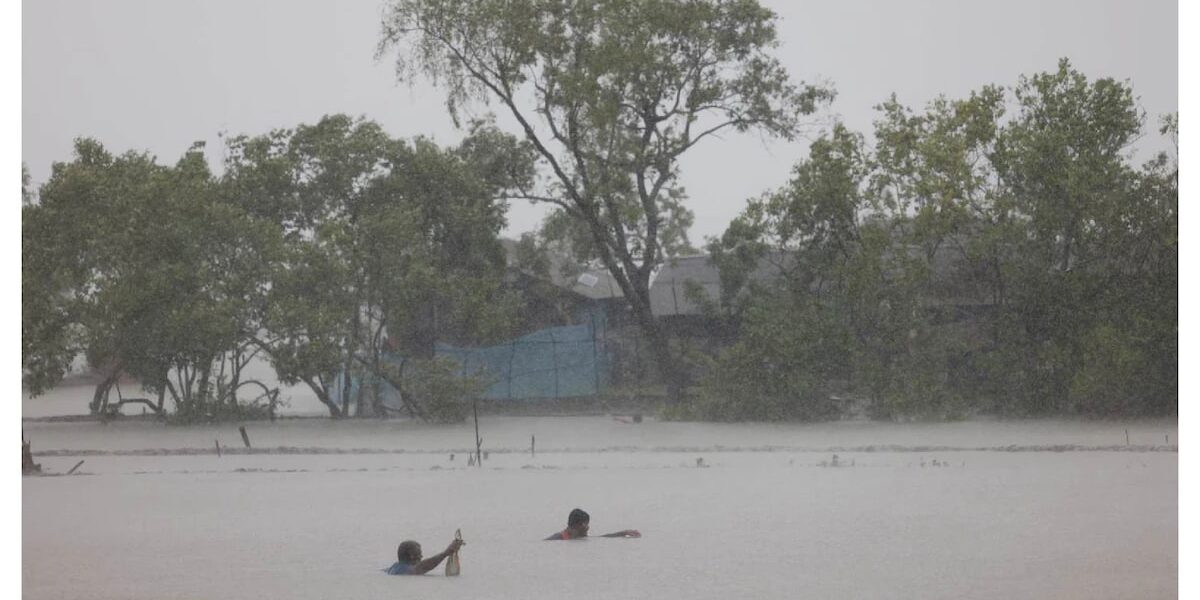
{"type": "Point", "coordinates": [610, 95]}
{"type": "Point", "coordinates": [1065, 175]}
{"type": "Point", "coordinates": [304, 184]}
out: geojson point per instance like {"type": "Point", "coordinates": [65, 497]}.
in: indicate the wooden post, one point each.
{"type": "Point", "coordinates": [478, 440]}
{"type": "Point", "coordinates": [27, 464]}
{"type": "Point", "coordinates": [1126, 436]}
{"type": "Point", "coordinates": [218, 443]}
{"type": "Point", "coordinates": [245, 438]}
{"type": "Point", "coordinates": [532, 443]}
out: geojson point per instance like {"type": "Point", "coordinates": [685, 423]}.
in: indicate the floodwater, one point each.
{"type": "Point", "coordinates": [1043, 509]}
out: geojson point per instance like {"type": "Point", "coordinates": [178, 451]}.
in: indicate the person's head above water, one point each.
{"type": "Point", "coordinates": [578, 522]}
{"type": "Point", "coordinates": [409, 552]}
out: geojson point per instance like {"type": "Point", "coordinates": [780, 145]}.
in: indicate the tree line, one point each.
{"type": "Point", "coordinates": [1060, 296]}
{"type": "Point", "coordinates": [316, 248]}
{"type": "Point", "coordinates": [999, 253]}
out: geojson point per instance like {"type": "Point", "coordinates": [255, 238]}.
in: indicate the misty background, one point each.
{"type": "Point", "coordinates": [156, 76]}
{"type": "Point", "coordinates": [982, 507]}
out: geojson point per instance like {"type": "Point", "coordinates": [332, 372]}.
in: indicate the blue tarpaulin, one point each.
{"type": "Point", "coordinates": [557, 362]}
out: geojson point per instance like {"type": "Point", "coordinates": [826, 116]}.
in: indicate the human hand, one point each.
{"type": "Point", "coordinates": [454, 546]}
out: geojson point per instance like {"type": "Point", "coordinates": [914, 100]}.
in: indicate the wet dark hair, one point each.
{"type": "Point", "coordinates": [577, 516]}
{"type": "Point", "coordinates": [407, 552]}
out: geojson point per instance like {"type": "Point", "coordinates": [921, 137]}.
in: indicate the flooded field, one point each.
{"type": "Point", "coordinates": [316, 509]}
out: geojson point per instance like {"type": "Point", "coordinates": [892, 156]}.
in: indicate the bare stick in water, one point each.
{"type": "Point", "coordinates": [74, 467]}
{"type": "Point", "coordinates": [245, 438]}
{"type": "Point", "coordinates": [478, 440]}
{"type": "Point", "coordinates": [218, 443]}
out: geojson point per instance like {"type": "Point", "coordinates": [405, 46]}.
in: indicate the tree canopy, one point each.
{"type": "Point", "coordinates": [610, 95]}
{"type": "Point", "coordinates": [970, 260]}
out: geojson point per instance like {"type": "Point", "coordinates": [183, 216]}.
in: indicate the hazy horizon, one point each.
{"type": "Point", "coordinates": [144, 75]}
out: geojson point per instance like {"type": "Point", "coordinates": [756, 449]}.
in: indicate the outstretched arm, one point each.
{"type": "Point", "coordinates": [432, 562]}
{"type": "Point", "coordinates": [626, 533]}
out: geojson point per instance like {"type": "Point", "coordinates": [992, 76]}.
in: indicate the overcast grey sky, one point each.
{"type": "Point", "coordinates": [154, 75]}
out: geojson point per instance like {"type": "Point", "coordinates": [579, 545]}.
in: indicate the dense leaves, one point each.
{"type": "Point", "coordinates": [319, 249]}
{"type": "Point", "coordinates": [610, 95]}
{"type": "Point", "coordinates": [969, 261]}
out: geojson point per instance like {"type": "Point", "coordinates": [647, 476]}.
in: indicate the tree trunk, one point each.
{"type": "Point", "coordinates": [347, 385]}
{"type": "Point", "coordinates": [27, 464]}
{"type": "Point", "coordinates": [100, 396]}
{"type": "Point", "coordinates": [174, 394]}
{"type": "Point", "coordinates": [377, 406]}
{"type": "Point", "coordinates": [202, 390]}
{"type": "Point", "coordinates": [414, 409]}
{"type": "Point", "coordinates": [634, 282]}
{"type": "Point", "coordinates": [323, 396]}
{"type": "Point", "coordinates": [672, 372]}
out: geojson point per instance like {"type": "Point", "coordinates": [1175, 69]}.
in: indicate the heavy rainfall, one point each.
{"type": "Point", "coordinates": [935, 355]}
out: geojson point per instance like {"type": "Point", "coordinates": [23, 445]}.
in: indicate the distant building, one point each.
{"type": "Point", "coordinates": [686, 292]}
{"type": "Point", "coordinates": [565, 294]}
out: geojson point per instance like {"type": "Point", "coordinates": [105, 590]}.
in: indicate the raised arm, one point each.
{"type": "Point", "coordinates": [626, 533]}
{"type": "Point", "coordinates": [432, 562]}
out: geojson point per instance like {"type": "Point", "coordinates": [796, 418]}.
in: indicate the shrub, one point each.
{"type": "Point", "coordinates": [440, 388]}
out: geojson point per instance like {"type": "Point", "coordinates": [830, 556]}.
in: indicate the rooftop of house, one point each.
{"type": "Point", "coordinates": [594, 284]}
{"type": "Point", "coordinates": [669, 290]}
{"type": "Point", "coordinates": [955, 284]}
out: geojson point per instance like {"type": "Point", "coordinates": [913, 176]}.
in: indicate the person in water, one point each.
{"type": "Point", "coordinates": [577, 528]}
{"type": "Point", "coordinates": [409, 562]}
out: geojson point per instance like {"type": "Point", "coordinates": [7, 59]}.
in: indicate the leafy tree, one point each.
{"type": "Point", "coordinates": [1064, 170]}
{"type": "Point", "coordinates": [847, 289]}
{"type": "Point", "coordinates": [610, 95]}
{"type": "Point", "coordinates": [389, 245]}
{"type": "Point", "coordinates": [129, 262]}
{"type": "Point", "coordinates": [305, 183]}
{"type": "Point", "coordinates": [1021, 266]}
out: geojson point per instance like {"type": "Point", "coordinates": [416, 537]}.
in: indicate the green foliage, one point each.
{"type": "Point", "coordinates": [773, 373]}
{"type": "Point", "coordinates": [128, 262]}
{"type": "Point", "coordinates": [382, 242]}
{"type": "Point", "coordinates": [969, 262]}
{"type": "Point", "coordinates": [319, 246]}
{"type": "Point", "coordinates": [196, 411]}
{"type": "Point", "coordinates": [610, 95]}
{"type": "Point", "coordinates": [446, 394]}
